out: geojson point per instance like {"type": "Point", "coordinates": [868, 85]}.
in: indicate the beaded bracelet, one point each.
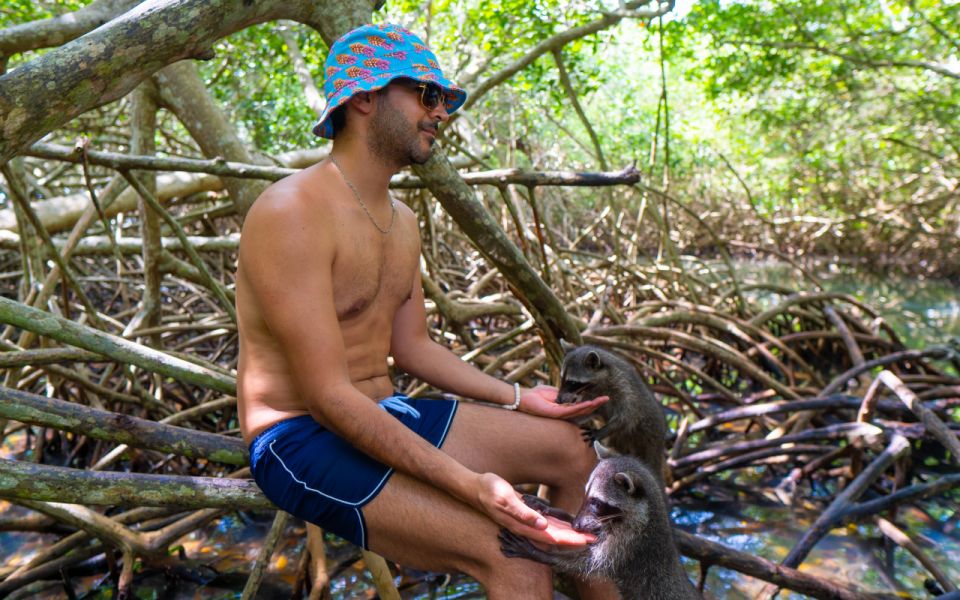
{"type": "Point", "coordinates": [516, 398]}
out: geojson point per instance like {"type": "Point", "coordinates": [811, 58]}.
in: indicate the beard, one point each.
{"type": "Point", "coordinates": [395, 140]}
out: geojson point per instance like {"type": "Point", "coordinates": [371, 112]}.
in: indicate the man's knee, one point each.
{"type": "Point", "coordinates": [574, 456]}
{"type": "Point", "coordinates": [526, 578]}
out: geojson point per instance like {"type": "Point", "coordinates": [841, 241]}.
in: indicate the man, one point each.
{"type": "Point", "coordinates": [328, 286]}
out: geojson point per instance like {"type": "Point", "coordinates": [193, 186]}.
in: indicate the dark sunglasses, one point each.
{"type": "Point", "coordinates": [431, 94]}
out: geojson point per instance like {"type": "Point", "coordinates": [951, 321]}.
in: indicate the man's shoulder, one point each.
{"type": "Point", "coordinates": [293, 213]}
{"type": "Point", "coordinates": [306, 186]}
{"type": "Point", "coordinates": [296, 198]}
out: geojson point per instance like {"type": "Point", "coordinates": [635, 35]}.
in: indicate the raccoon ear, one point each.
{"type": "Point", "coordinates": [593, 361]}
{"type": "Point", "coordinates": [566, 346]}
{"type": "Point", "coordinates": [625, 479]}
{"type": "Point", "coordinates": [602, 451]}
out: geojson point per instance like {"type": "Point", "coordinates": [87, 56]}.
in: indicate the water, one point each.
{"type": "Point", "coordinates": [852, 554]}
{"type": "Point", "coordinates": [923, 311]}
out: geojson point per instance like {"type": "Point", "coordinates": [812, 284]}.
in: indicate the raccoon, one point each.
{"type": "Point", "coordinates": [626, 508]}
{"type": "Point", "coordinates": [633, 419]}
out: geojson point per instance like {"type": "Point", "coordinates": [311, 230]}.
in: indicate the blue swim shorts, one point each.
{"type": "Point", "coordinates": [311, 473]}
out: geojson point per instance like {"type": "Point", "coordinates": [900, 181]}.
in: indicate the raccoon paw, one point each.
{"type": "Point", "coordinates": [589, 435]}
{"type": "Point", "coordinates": [515, 546]}
{"type": "Point", "coordinates": [536, 502]}
{"type": "Point", "coordinates": [544, 508]}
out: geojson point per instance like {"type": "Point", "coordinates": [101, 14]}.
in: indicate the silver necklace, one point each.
{"type": "Point", "coordinates": [393, 203]}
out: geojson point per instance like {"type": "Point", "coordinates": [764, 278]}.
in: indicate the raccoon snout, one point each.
{"type": "Point", "coordinates": [595, 525]}
{"type": "Point", "coordinates": [573, 396]}
{"type": "Point", "coordinates": [591, 526]}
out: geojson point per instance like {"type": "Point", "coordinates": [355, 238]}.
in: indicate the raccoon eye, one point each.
{"type": "Point", "coordinates": [602, 509]}
{"type": "Point", "coordinates": [576, 386]}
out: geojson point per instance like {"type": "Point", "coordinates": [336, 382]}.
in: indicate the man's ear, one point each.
{"type": "Point", "coordinates": [363, 101]}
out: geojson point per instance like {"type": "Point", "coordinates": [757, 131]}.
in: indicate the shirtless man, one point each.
{"type": "Point", "coordinates": [328, 286]}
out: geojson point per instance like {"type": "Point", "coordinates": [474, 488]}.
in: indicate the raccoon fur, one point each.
{"type": "Point", "coordinates": [626, 508]}
{"type": "Point", "coordinates": [633, 421]}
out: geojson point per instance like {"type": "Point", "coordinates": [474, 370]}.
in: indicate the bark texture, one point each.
{"type": "Point", "coordinates": [110, 61]}
{"type": "Point", "coordinates": [183, 92]}
{"type": "Point", "coordinates": [62, 28]}
{"type": "Point", "coordinates": [460, 201]}
{"type": "Point", "coordinates": [21, 480]}
{"type": "Point", "coordinates": [123, 429]}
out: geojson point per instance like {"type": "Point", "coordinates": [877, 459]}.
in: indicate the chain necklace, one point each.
{"type": "Point", "coordinates": [393, 203]}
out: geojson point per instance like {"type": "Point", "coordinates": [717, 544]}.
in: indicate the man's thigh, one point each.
{"type": "Point", "coordinates": [422, 527]}
{"type": "Point", "coordinates": [518, 447]}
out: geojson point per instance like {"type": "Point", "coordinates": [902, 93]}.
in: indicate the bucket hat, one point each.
{"type": "Point", "coordinates": [368, 58]}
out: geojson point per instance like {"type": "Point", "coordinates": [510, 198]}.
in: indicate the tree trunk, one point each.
{"type": "Point", "coordinates": [461, 203]}
{"type": "Point", "coordinates": [143, 125]}
{"type": "Point", "coordinates": [183, 92]}
{"type": "Point", "coordinates": [21, 480]}
{"type": "Point", "coordinates": [110, 61]}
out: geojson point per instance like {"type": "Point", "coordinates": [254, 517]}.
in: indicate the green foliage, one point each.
{"type": "Point", "coordinates": [254, 81]}
{"type": "Point", "coordinates": [13, 12]}
{"type": "Point", "coordinates": [475, 40]}
{"type": "Point", "coordinates": [844, 97]}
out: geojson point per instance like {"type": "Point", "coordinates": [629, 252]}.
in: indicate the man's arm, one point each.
{"type": "Point", "coordinates": [416, 353]}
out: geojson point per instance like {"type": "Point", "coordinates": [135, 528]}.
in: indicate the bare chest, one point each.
{"type": "Point", "coordinates": [373, 273]}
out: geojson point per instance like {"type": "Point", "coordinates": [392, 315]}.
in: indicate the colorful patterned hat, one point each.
{"type": "Point", "coordinates": [368, 58]}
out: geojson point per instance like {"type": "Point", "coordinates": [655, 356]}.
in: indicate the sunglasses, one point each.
{"type": "Point", "coordinates": [431, 94]}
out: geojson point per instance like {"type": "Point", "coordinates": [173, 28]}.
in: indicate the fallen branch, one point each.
{"type": "Point", "coordinates": [837, 401]}
{"type": "Point", "coordinates": [930, 421]}
{"type": "Point", "coordinates": [712, 553]}
{"type": "Point", "coordinates": [903, 540]}
{"type": "Point", "coordinates": [263, 558]}
{"type": "Point", "coordinates": [28, 481]}
{"type": "Point", "coordinates": [124, 429]}
{"type": "Point", "coordinates": [847, 431]}
{"type": "Point", "coordinates": [829, 518]}
{"type": "Point", "coordinates": [123, 162]}
{"type": "Point", "coordinates": [913, 493]}
{"type": "Point", "coordinates": [117, 348]}
{"type": "Point", "coordinates": [100, 244]}
{"type": "Point", "coordinates": [938, 352]}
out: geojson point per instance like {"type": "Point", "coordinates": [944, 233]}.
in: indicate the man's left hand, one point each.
{"type": "Point", "coordinates": [542, 402]}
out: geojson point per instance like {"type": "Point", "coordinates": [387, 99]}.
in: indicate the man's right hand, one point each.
{"type": "Point", "coordinates": [504, 505]}
{"type": "Point", "coordinates": [541, 401]}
